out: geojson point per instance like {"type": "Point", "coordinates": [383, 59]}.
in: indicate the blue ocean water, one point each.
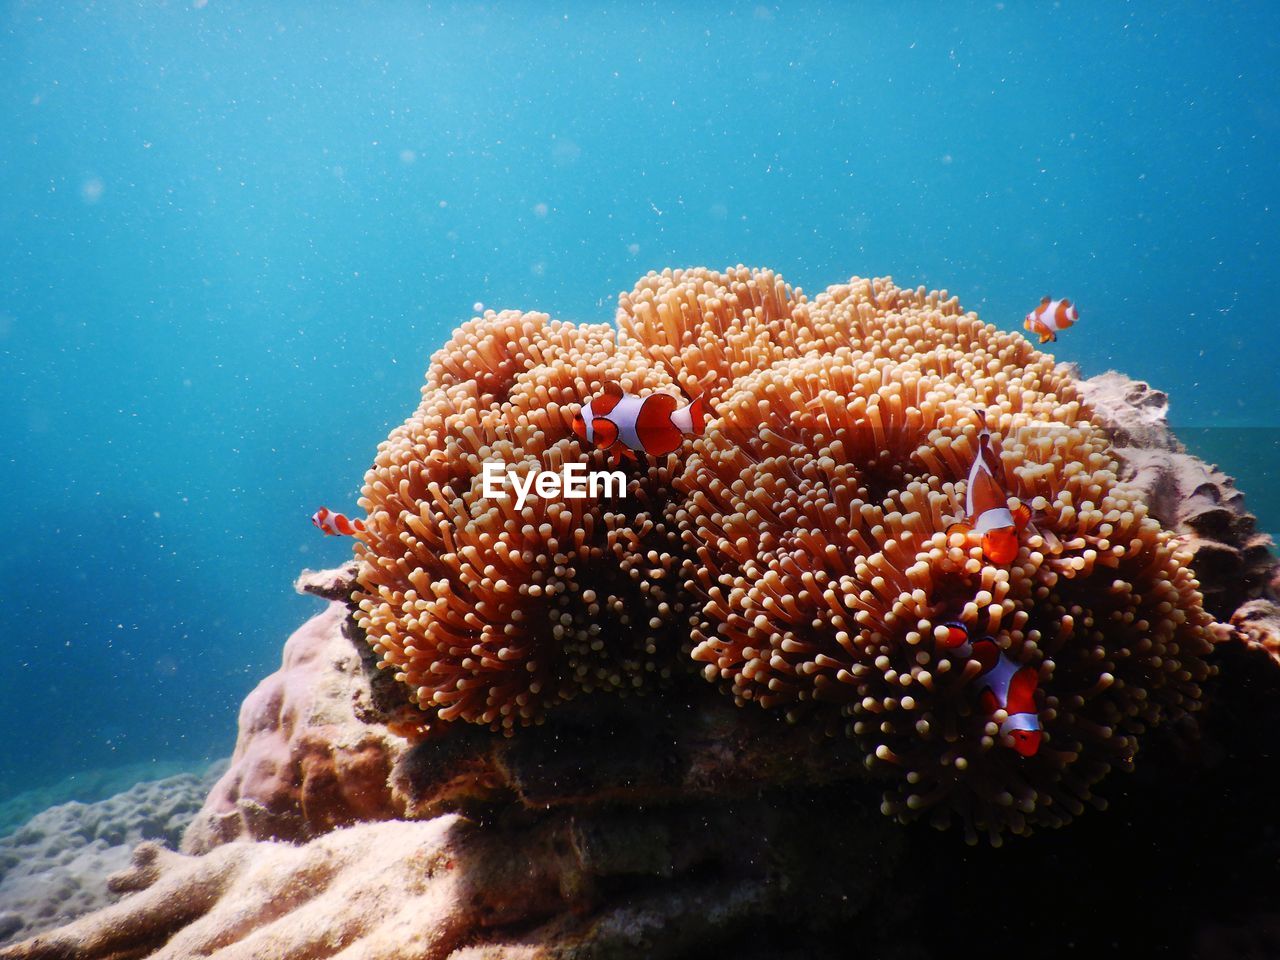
{"type": "Point", "coordinates": [231, 235]}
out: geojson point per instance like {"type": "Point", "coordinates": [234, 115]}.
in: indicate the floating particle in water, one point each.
{"type": "Point", "coordinates": [478, 307]}
{"type": "Point", "coordinates": [565, 152]}
{"type": "Point", "coordinates": [540, 209]}
{"type": "Point", "coordinates": [408, 157]}
{"type": "Point", "coordinates": [92, 189]}
{"type": "Point", "coordinates": [633, 248]}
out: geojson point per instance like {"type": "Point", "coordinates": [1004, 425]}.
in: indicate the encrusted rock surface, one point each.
{"type": "Point", "coordinates": [563, 885]}
{"type": "Point", "coordinates": [313, 752]}
{"type": "Point", "coordinates": [52, 868]}
{"type": "Point", "coordinates": [86, 786]}
{"type": "Point", "coordinates": [1233, 560]}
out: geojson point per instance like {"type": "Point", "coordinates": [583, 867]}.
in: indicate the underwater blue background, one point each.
{"type": "Point", "coordinates": [232, 234]}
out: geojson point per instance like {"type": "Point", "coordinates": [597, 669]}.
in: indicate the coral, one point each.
{"type": "Point", "coordinates": [1233, 560]}
{"type": "Point", "coordinates": [1258, 623]}
{"type": "Point", "coordinates": [86, 787]}
{"type": "Point", "coordinates": [313, 751]}
{"type": "Point", "coordinates": [52, 868]}
{"type": "Point", "coordinates": [571, 883]}
{"type": "Point", "coordinates": [797, 549]}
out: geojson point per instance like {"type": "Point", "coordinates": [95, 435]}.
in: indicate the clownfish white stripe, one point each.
{"type": "Point", "coordinates": [682, 419]}
{"type": "Point", "coordinates": [624, 416]}
{"type": "Point", "coordinates": [997, 678]}
{"type": "Point", "coordinates": [1020, 721]}
{"type": "Point", "coordinates": [994, 519]}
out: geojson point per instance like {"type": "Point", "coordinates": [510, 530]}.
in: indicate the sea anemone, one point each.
{"type": "Point", "coordinates": [491, 614]}
{"type": "Point", "coordinates": [797, 551]}
{"type": "Point", "coordinates": [818, 512]}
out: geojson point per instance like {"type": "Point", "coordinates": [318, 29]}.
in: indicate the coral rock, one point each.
{"type": "Point", "coordinates": [1233, 561]}
{"type": "Point", "coordinates": [313, 751]}
{"type": "Point", "coordinates": [53, 867]}
{"type": "Point", "coordinates": [562, 885]}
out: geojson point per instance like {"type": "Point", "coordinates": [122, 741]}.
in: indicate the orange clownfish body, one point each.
{"type": "Point", "coordinates": [1008, 687]}
{"type": "Point", "coordinates": [626, 425]}
{"type": "Point", "coordinates": [989, 522]}
{"type": "Point", "coordinates": [1050, 317]}
{"type": "Point", "coordinates": [335, 524]}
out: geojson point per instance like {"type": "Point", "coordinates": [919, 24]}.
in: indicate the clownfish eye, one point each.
{"type": "Point", "coordinates": [580, 426]}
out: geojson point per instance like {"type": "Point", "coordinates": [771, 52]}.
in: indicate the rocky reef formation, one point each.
{"type": "Point", "coordinates": [563, 884]}
{"type": "Point", "coordinates": [642, 812]}
{"type": "Point", "coordinates": [87, 787]}
{"type": "Point", "coordinates": [1233, 560]}
{"type": "Point", "coordinates": [314, 751]}
{"type": "Point", "coordinates": [54, 867]}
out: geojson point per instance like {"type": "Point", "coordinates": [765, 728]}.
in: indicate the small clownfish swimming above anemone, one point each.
{"type": "Point", "coordinates": [335, 524]}
{"type": "Point", "coordinates": [989, 522]}
{"type": "Point", "coordinates": [1050, 317]}
{"type": "Point", "coordinates": [1002, 685]}
{"type": "Point", "coordinates": [627, 425]}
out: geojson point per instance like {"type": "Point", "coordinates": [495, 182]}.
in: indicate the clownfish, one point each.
{"type": "Point", "coordinates": [988, 521]}
{"type": "Point", "coordinates": [1050, 317]}
{"type": "Point", "coordinates": [1011, 688]}
{"type": "Point", "coordinates": [954, 636]}
{"type": "Point", "coordinates": [1002, 684]}
{"type": "Point", "coordinates": [625, 424]}
{"type": "Point", "coordinates": [335, 524]}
